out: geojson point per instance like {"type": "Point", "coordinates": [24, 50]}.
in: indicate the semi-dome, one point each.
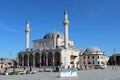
{"type": "Point", "coordinates": [54, 33]}
{"type": "Point", "coordinates": [92, 49]}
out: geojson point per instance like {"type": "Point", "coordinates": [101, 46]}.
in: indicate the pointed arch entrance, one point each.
{"type": "Point", "coordinates": [57, 59]}
{"type": "Point", "coordinates": [43, 59]}
{"type": "Point", "coordinates": [50, 59]}
{"type": "Point", "coordinates": [20, 60]}
{"type": "Point", "coordinates": [25, 60]}
{"type": "Point", "coordinates": [31, 60]}
{"type": "Point", "coordinates": [37, 59]}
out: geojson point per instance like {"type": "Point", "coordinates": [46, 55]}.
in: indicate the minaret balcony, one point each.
{"type": "Point", "coordinates": [66, 22]}
{"type": "Point", "coordinates": [27, 30]}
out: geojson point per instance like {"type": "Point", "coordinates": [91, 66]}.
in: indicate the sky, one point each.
{"type": "Point", "coordinates": [91, 23]}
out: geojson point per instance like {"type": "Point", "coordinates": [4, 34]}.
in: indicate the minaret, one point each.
{"type": "Point", "coordinates": [65, 23]}
{"type": "Point", "coordinates": [27, 30]}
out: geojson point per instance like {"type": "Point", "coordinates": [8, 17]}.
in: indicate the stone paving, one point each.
{"type": "Point", "coordinates": [94, 74]}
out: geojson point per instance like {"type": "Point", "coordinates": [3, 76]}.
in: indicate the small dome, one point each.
{"type": "Point", "coordinates": [54, 33]}
{"type": "Point", "coordinates": [92, 49]}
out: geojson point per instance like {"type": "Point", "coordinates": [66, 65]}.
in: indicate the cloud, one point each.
{"type": "Point", "coordinates": [9, 30]}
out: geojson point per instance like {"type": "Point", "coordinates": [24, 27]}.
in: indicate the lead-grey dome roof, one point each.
{"type": "Point", "coordinates": [54, 33]}
{"type": "Point", "coordinates": [92, 49]}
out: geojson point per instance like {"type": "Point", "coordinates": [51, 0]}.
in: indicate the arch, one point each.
{"type": "Point", "coordinates": [31, 60]}
{"type": "Point", "coordinates": [43, 59]}
{"type": "Point", "coordinates": [50, 59]}
{"type": "Point", "coordinates": [25, 60]}
{"type": "Point", "coordinates": [20, 60]}
{"type": "Point", "coordinates": [37, 59]}
{"type": "Point", "coordinates": [57, 59]}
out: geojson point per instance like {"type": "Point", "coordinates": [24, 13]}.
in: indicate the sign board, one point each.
{"type": "Point", "coordinates": [72, 72]}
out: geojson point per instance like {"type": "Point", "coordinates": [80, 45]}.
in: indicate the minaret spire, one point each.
{"type": "Point", "coordinates": [27, 30]}
{"type": "Point", "coordinates": [65, 23]}
{"type": "Point", "coordinates": [65, 15]}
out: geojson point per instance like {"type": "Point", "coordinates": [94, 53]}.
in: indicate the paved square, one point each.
{"type": "Point", "coordinates": [94, 74]}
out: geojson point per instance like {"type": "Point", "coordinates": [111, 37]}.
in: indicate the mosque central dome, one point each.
{"type": "Point", "coordinates": [53, 34]}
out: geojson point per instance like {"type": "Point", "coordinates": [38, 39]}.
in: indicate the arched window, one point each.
{"type": "Point", "coordinates": [83, 57]}
{"type": "Point", "coordinates": [58, 36]}
{"type": "Point", "coordinates": [98, 57]}
{"type": "Point", "coordinates": [98, 62]}
{"type": "Point", "coordinates": [93, 62]}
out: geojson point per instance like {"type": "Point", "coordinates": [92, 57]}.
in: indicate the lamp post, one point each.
{"type": "Point", "coordinates": [13, 65]}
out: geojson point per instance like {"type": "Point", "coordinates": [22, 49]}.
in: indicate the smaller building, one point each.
{"type": "Point", "coordinates": [114, 59]}
{"type": "Point", "coordinates": [5, 63]}
{"type": "Point", "coordinates": [92, 56]}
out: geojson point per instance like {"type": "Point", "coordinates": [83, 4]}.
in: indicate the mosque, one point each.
{"type": "Point", "coordinates": [54, 49]}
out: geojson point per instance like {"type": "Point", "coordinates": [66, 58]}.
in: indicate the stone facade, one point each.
{"type": "Point", "coordinates": [92, 56]}
{"type": "Point", "coordinates": [114, 59]}
{"type": "Point", "coordinates": [54, 49]}
{"type": "Point", "coordinates": [5, 63]}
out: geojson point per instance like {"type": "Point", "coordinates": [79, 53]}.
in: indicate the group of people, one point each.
{"type": "Point", "coordinates": [29, 68]}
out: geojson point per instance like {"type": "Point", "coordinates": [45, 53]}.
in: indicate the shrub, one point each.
{"type": "Point", "coordinates": [27, 72]}
{"type": "Point", "coordinates": [13, 73]}
{"type": "Point", "coordinates": [54, 70]}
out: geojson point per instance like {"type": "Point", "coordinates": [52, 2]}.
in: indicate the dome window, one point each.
{"type": "Point", "coordinates": [58, 36]}
{"type": "Point", "coordinates": [84, 57]}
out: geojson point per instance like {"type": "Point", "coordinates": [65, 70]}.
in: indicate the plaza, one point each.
{"type": "Point", "coordinates": [93, 74]}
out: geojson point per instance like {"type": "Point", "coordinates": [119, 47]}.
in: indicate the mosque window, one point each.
{"type": "Point", "coordinates": [98, 62]}
{"type": "Point", "coordinates": [98, 57]}
{"type": "Point", "coordinates": [84, 57]}
{"type": "Point", "coordinates": [92, 57]}
{"type": "Point", "coordinates": [58, 36]}
{"type": "Point", "coordinates": [44, 37]}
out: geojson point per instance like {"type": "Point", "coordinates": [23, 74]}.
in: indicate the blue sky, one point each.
{"type": "Point", "coordinates": [92, 23]}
